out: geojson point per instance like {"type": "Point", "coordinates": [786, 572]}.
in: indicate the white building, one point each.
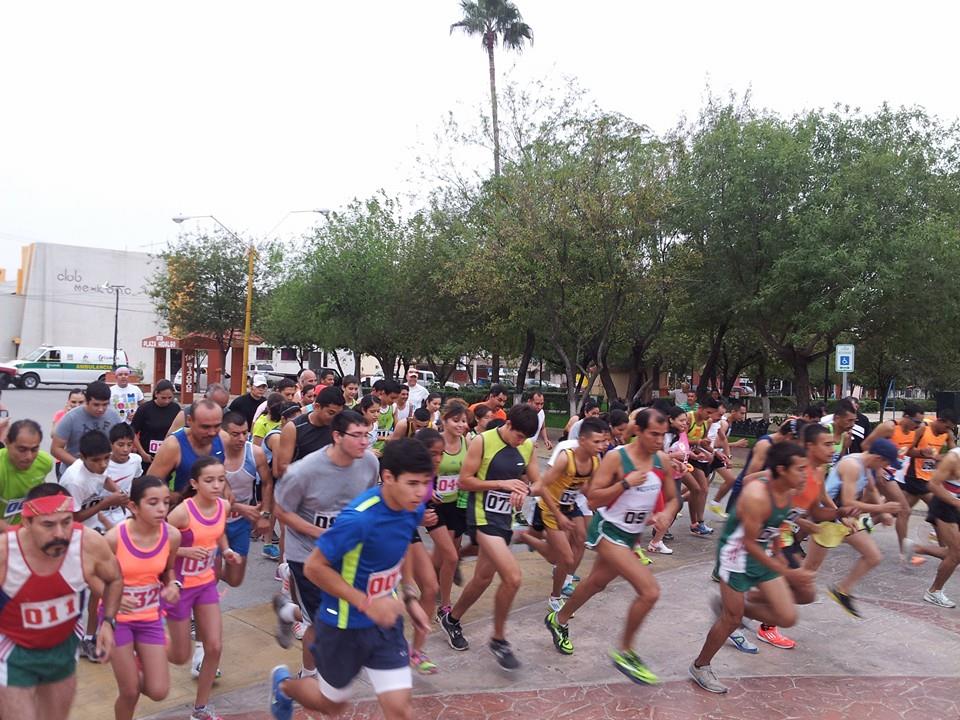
{"type": "Point", "coordinates": [59, 299]}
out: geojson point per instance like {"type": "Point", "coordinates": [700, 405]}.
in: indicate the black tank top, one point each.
{"type": "Point", "coordinates": [310, 438]}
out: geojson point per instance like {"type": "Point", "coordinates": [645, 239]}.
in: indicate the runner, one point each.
{"type": "Point", "coordinates": [357, 564]}
{"type": "Point", "coordinates": [94, 414]}
{"type": "Point", "coordinates": [328, 378]}
{"type": "Point", "coordinates": [215, 391]}
{"type": "Point", "coordinates": [451, 519]}
{"type": "Point", "coordinates": [419, 419]}
{"type": "Point", "coordinates": [722, 455]}
{"type": "Point", "coordinates": [146, 547]}
{"type": "Point", "coordinates": [124, 397]}
{"type": "Point", "coordinates": [403, 408]}
{"type": "Point", "coordinates": [386, 391]}
{"type": "Point", "coordinates": [536, 400]}
{"type": "Point", "coordinates": [757, 457]}
{"type": "Point", "coordinates": [432, 405]}
{"type": "Point", "coordinates": [152, 421]}
{"type": "Point", "coordinates": [308, 432]}
{"type": "Point", "coordinates": [351, 391]}
{"type": "Point", "coordinates": [926, 453]}
{"type": "Point", "coordinates": [746, 561]}
{"type": "Point", "coordinates": [571, 430]}
{"type": "Point", "coordinates": [201, 520]}
{"type": "Point", "coordinates": [74, 399]}
{"type": "Point", "coordinates": [904, 434]}
{"type": "Point", "coordinates": [47, 564]}
{"type": "Point", "coordinates": [308, 500]}
{"type": "Point", "coordinates": [557, 509]}
{"type": "Point", "coordinates": [23, 465]}
{"type": "Point", "coordinates": [841, 422]}
{"type": "Point", "coordinates": [852, 484]}
{"type": "Point", "coordinates": [496, 399]}
{"type": "Point", "coordinates": [494, 472]}
{"type": "Point", "coordinates": [702, 455]}
{"type": "Point", "coordinates": [122, 469]}
{"type": "Point", "coordinates": [624, 493]}
{"type": "Point", "coordinates": [177, 454]}
{"type": "Point", "coordinates": [246, 468]}
{"type": "Point", "coordinates": [944, 515]}
{"type": "Point", "coordinates": [263, 421]}
{"type": "Point", "coordinates": [247, 404]}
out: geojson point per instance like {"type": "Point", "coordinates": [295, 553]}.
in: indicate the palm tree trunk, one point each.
{"type": "Point", "coordinates": [489, 39]}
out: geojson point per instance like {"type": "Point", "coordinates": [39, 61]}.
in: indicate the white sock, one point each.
{"type": "Point", "coordinates": [568, 580]}
{"type": "Point", "coordinates": [307, 673]}
{"type": "Point", "coordinates": [288, 613]}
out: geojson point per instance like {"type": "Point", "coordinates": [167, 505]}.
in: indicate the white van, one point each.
{"type": "Point", "coordinates": [64, 365]}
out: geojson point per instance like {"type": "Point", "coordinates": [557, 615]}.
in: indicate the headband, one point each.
{"type": "Point", "coordinates": [47, 505]}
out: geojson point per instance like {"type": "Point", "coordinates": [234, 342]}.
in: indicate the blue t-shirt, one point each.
{"type": "Point", "coordinates": [366, 546]}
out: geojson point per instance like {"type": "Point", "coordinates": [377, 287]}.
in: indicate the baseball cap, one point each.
{"type": "Point", "coordinates": [259, 380]}
{"type": "Point", "coordinates": [888, 451]}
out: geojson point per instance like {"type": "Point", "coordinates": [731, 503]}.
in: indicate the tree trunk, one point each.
{"type": "Point", "coordinates": [709, 372]}
{"type": "Point", "coordinates": [762, 388]}
{"type": "Point", "coordinates": [528, 344]}
{"type": "Point", "coordinates": [489, 39]}
{"type": "Point", "coordinates": [495, 370]}
{"type": "Point", "coordinates": [609, 387]}
{"type": "Point", "coordinates": [356, 364]}
{"type": "Point", "coordinates": [801, 380]}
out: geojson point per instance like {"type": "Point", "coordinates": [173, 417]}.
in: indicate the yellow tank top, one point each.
{"type": "Point", "coordinates": [698, 430]}
{"type": "Point", "coordinates": [566, 489]}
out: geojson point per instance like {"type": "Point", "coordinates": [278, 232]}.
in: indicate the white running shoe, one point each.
{"type": "Point", "coordinates": [198, 661]}
{"type": "Point", "coordinates": [659, 547]}
{"type": "Point", "coordinates": [937, 597]}
{"type": "Point", "coordinates": [556, 603]}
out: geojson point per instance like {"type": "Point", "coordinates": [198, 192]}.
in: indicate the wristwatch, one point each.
{"type": "Point", "coordinates": [624, 484]}
{"type": "Point", "coordinates": [266, 514]}
{"type": "Point", "coordinates": [111, 621]}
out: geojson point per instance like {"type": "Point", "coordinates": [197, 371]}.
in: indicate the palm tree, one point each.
{"type": "Point", "coordinates": [493, 20]}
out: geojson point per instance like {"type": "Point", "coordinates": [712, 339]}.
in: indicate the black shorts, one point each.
{"type": "Point", "coordinates": [307, 595]}
{"type": "Point", "coordinates": [416, 537]}
{"type": "Point", "coordinates": [945, 512]}
{"type": "Point", "coordinates": [705, 467]}
{"type": "Point", "coordinates": [570, 511]}
{"type": "Point", "coordinates": [717, 464]}
{"type": "Point", "coordinates": [915, 486]}
{"type": "Point", "coordinates": [492, 530]}
{"type": "Point", "coordinates": [451, 517]}
{"type": "Point", "coordinates": [341, 654]}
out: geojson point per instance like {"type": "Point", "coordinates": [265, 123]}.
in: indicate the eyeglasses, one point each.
{"type": "Point", "coordinates": [357, 436]}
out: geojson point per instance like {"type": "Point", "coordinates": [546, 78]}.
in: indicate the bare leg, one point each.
{"type": "Point", "coordinates": [482, 577]}
{"type": "Point", "coordinates": [629, 567]}
{"type": "Point", "coordinates": [180, 648]}
{"type": "Point", "coordinates": [54, 700]}
{"type": "Point", "coordinates": [870, 557]}
{"type": "Point", "coordinates": [19, 702]}
{"type": "Point", "coordinates": [729, 478]}
{"type": "Point", "coordinates": [446, 557]}
{"type": "Point", "coordinates": [128, 680]}
{"type": "Point", "coordinates": [600, 576]}
{"type": "Point", "coordinates": [892, 491]}
{"type": "Point", "coordinates": [396, 705]}
{"type": "Point", "coordinates": [210, 633]}
{"type": "Point", "coordinates": [948, 533]}
{"type": "Point", "coordinates": [505, 564]}
{"type": "Point", "coordinates": [426, 579]}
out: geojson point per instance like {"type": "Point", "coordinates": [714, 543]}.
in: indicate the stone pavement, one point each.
{"type": "Point", "coordinates": [901, 661]}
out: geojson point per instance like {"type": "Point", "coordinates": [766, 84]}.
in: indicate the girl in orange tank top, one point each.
{"type": "Point", "coordinates": [145, 546]}
{"type": "Point", "coordinates": [201, 518]}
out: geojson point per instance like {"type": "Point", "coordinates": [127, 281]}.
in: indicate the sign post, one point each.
{"type": "Point", "coordinates": [845, 363]}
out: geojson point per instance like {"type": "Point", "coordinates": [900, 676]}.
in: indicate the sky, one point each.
{"type": "Point", "coordinates": [118, 116]}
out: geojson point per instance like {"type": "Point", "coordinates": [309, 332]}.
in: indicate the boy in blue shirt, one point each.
{"type": "Point", "coordinates": [358, 565]}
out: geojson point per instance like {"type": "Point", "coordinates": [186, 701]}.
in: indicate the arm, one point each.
{"type": "Point", "coordinates": [882, 430]}
{"type": "Point", "coordinates": [948, 468]}
{"type": "Point", "coordinates": [171, 588]}
{"type": "Point", "coordinates": [58, 448]}
{"type": "Point", "coordinates": [398, 432]}
{"type": "Point", "coordinates": [283, 455]}
{"type": "Point", "coordinates": [166, 460]}
{"type": "Point", "coordinates": [471, 464]}
{"type": "Point", "coordinates": [605, 487]}
{"type": "Point", "coordinates": [752, 508]}
{"type": "Point", "coordinates": [178, 422]}
{"type": "Point", "coordinates": [848, 492]}
{"type": "Point", "coordinates": [264, 524]}
{"type": "Point", "coordinates": [759, 457]}
{"type": "Point", "coordinates": [544, 436]}
{"type": "Point", "coordinates": [101, 563]}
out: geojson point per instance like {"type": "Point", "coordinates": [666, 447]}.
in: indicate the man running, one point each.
{"type": "Point", "coordinates": [944, 515]}
{"type": "Point", "coordinates": [307, 433]}
{"type": "Point", "coordinates": [745, 559]}
{"type": "Point", "coordinates": [94, 414]}
{"type": "Point", "coordinates": [47, 564]}
{"type": "Point", "coordinates": [536, 400]}
{"type": "Point", "coordinates": [494, 473]}
{"type": "Point", "coordinates": [309, 499]}
{"type": "Point", "coordinates": [852, 484]}
{"type": "Point", "coordinates": [358, 565]}
{"type": "Point", "coordinates": [701, 420]}
{"type": "Point", "coordinates": [180, 450]}
{"type": "Point", "coordinates": [23, 465]}
{"type": "Point", "coordinates": [926, 452]}
{"type": "Point", "coordinates": [624, 494]}
{"type": "Point", "coordinates": [719, 439]}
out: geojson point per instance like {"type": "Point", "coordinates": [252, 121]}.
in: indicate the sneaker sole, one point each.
{"type": "Point", "coordinates": [709, 690]}
{"type": "Point", "coordinates": [843, 607]}
{"type": "Point", "coordinates": [939, 605]}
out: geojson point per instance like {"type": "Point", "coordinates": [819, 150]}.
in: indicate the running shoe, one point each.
{"type": "Point", "coordinates": [299, 630]}
{"type": "Point", "coordinates": [504, 654]}
{"type": "Point", "coordinates": [701, 529]}
{"type": "Point", "coordinates": [281, 707]}
{"type": "Point", "coordinates": [555, 603]}
{"type": "Point", "coordinates": [937, 597]}
{"type": "Point", "coordinates": [843, 600]}
{"type": "Point", "coordinates": [908, 555]}
{"type": "Point", "coordinates": [714, 575]}
{"type": "Point", "coordinates": [630, 664]}
{"type": "Point", "coordinates": [771, 635]}
{"type": "Point", "coordinates": [569, 587]}
{"type": "Point", "coordinates": [206, 713]}
{"type": "Point", "coordinates": [706, 678]}
{"type": "Point", "coordinates": [198, 661]}
{"type": "Point", "coordinates": [560, 634]}
{"type": "Point", "coordinates": [638, 549]}
{"type": "Point", "coordinates": [284, 631]}
{"type": "Point", "coordinates": [422, 664]}
{"type": "Point", "coordinates": [88, 648]}
{"type": "Point", "coordinates": [454, 632]}
{"type": "Point", "coordinates": [741, 643]}
{"type": "Point", "coordinates": [441, 611]}
{"type": "Point", "coordinates": [717, 509]}
{"type": "Point", "coordinates": [271, 552]}
{"type": "Point", "coordinates": [668, 535]}
{"type": "Point", "coordinates": [659, 547]}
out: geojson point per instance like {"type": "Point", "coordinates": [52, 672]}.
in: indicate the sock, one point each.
{"type": "Point", "coordinates": [453, 620]}
{"type": "Point", "coordinates": [568, 580]}
{"type": "Point", "coordinates": [304, 672]}
{"type": "Point", "coordinates": [89, 637]}
{"type": "Point", "coordinates": [288, 612]}
{"type": "Point", "coordinates": [764, 626]}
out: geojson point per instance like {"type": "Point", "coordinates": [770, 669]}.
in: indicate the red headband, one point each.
{"type": "Point", "coordinates": [47, 505]}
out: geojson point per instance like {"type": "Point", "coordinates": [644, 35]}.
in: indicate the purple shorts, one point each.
{"type": "Point", "coordinates": [200, 595]}
{"type": "Point", "coordinates": [145, 632]}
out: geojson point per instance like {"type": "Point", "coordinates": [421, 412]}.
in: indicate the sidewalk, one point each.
{"type": "Point", "coordinates": [901, 661]}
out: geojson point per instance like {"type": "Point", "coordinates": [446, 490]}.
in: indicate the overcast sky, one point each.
{"type": "Point", "coordinates": [118, 115]}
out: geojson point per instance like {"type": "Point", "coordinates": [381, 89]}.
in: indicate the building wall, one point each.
{"type": "Point", "coordinates": [64, 303]}
{"type": "Point", "coordinates": [11, 316]}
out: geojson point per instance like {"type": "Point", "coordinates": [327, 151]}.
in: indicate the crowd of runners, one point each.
{"type": "Point", "coordinates": [114, 544]}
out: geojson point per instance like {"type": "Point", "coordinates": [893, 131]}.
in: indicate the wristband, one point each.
{"type": "Point", "coordinates": [178, 584]}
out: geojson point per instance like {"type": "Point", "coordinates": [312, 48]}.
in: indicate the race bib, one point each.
{"type": "Point", "coordinates": [497, 502]}
{"type": "Point", "coordinates": [929, 465]}
{"type": "Point", "coordinates": [634, 519]}
{"type": "Point", "coordinates": [768, 534]}
{"type": "Point", "coordinates": [324, 521]}
{"type": "Point", "coordinates": [447, 486]}
{"type": "Point", "coordinates": [154, 446]}
{"type": "Point", "coordinates": [90, 502]}
{"type": "Point", "coordinates": [192, 566]}
{"type": "Point", "coordinates": [145, 596]}
{"type": "Point", "coordinates": [569, 497]}
{"type": "Point", "coordinates": [13, 508]}
{"type": "Point", "coordinates": [382, 583]}
{"type": "Point", "coordinates": [50, 613]}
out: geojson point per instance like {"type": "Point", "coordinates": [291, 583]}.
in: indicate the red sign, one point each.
{"type": "Point", "coordinates": [159, 341]}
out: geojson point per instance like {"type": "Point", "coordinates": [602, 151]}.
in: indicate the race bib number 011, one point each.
{"type": "Point", "coordinates": [382, 583]}
{"type": "Point", "coordinates": [50, 613]}
{"type": "Point", "coordinates": [497, 502]}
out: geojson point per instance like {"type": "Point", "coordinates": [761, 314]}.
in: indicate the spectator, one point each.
{"type": "Point", "coordinates": [124, 397]}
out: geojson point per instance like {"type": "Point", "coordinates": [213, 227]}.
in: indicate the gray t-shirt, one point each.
{"type": "Point", "coordinates": [317, 490]}
{"type": "Point", "coordinates": [78, 422]}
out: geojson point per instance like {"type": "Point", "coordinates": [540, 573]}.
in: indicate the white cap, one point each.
{"type": "Point", "coordinates": [259, 380]}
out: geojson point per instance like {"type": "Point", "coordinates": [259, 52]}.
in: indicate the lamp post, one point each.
{"type": "Point", "coordinates": [116, 316]}
{"type": "Point", "coordinates": [251, 253]}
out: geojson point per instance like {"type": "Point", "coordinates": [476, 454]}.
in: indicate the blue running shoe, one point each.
{"type": "Point", "coordinates": [281, 707]}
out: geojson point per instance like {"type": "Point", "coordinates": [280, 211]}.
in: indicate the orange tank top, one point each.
{"type": "Point", "coordinates": [924, 467]}
{"type": "Point", "coordinates": [810, 492]}
{"type": "Point", "coordinates": [200, 532]}
{"type": "Point", "coordinates": [141, 570]}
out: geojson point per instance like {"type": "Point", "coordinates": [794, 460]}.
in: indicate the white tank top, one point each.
{"type": "Point", "coordinates": [630, 511]}
{"type": "Point", "coordinates": [242, 480]}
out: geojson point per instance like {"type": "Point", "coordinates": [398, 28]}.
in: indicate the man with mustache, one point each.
{"type": "Point", "coordinates": [46, 566]}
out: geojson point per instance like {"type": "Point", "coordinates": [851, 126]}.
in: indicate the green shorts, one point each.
{"type": "Point", "coordinates": [743, 582]}
{"type": "Point", "coordinates": [25, 667]}
{"type": "Point", "coordinates": [600, 528]}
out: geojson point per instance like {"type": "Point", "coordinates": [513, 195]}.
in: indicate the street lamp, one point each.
{"type": "Point", "coordinates": [251, 253]}
{"type": "Point", "coordinates": [116, 316]}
